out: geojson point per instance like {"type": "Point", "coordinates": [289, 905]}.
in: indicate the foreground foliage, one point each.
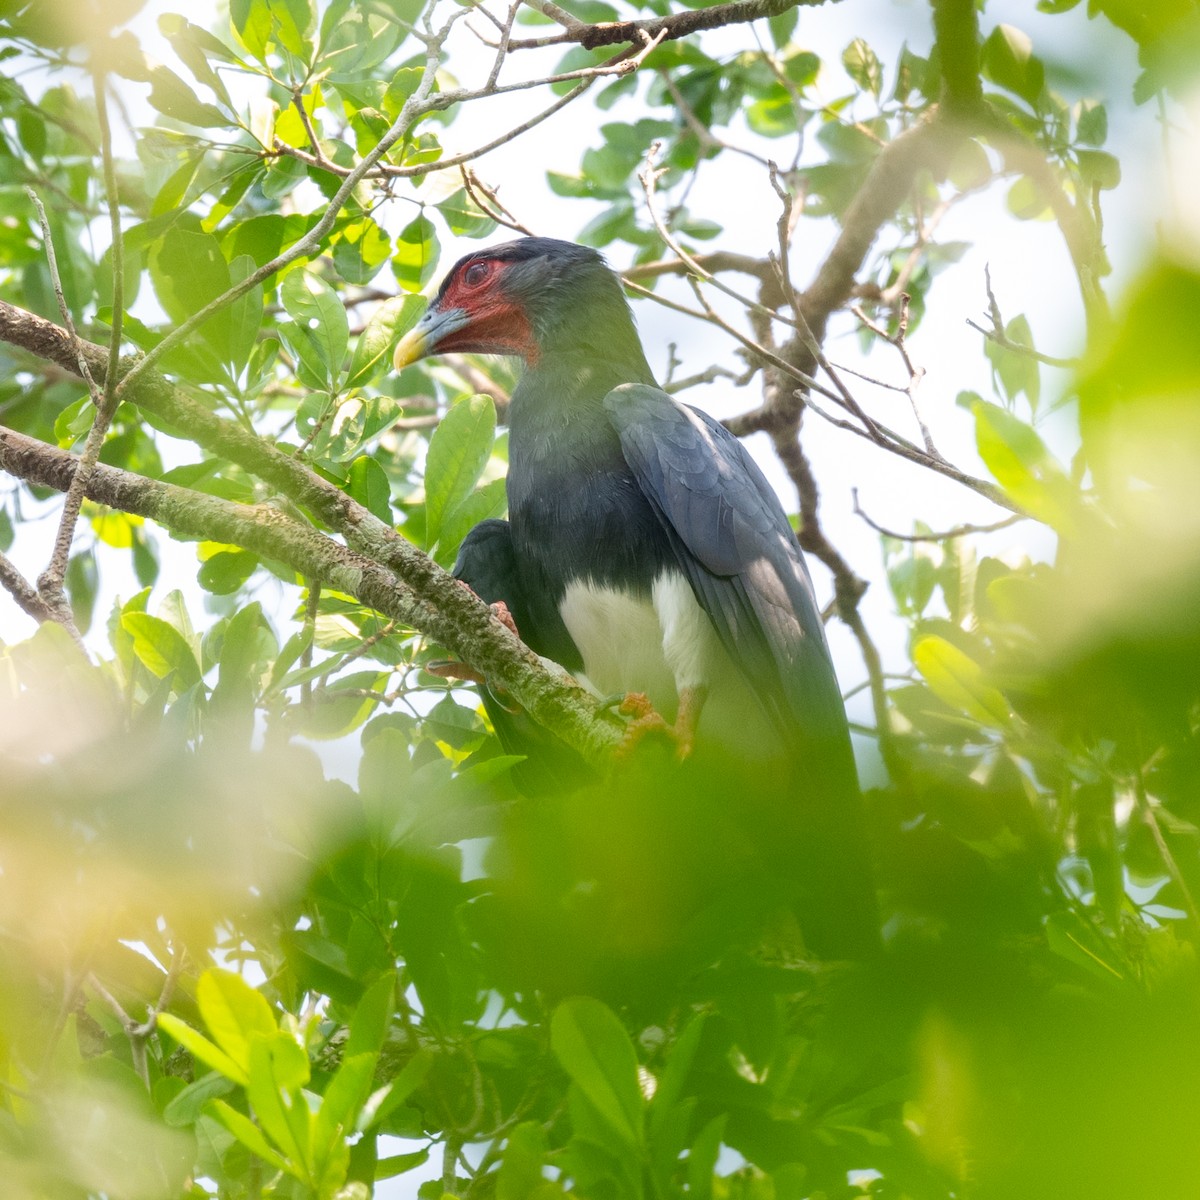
{"type": "Point", "coordinates": [223, 974]}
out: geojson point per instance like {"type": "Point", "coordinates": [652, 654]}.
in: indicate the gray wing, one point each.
{"type": "Point", "coordinates": [737, 549]}
{"type": "Point", "coordinates": [733, 542]}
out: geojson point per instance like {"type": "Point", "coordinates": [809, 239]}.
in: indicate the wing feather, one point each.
{"type": "Point", "coordinates": [739, 554]}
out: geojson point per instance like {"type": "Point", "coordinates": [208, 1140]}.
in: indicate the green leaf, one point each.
{"type": "Point", "coordinates": [201, 1049]}
{"type": "Point", "coordinates": [194, 45]}
{"type": "Point", "coordinates": [373, 1017]}
{"type": "Point", "coordinates": [361, 251]}
{"type": "Point", "coordinates": [343, 709]}
{"type": "Point", "coordinates": [1016, 372]}
{"type": "Point", "coordinates": [416, 254]}
{"type": "Point", "coordinates": [247, 645]}
{"type": "Point", "coordinates": [278, 1068]}
{"type": "Point", "coordinates": [1099, 167]}
{"type": "Point", "coordinates": [162, 649]}
{"type": "Point", "coordinates": [595, 1051]}
{"type": "Point", "coordinates": [862, 65]}
{"type": "Point", "coordinates": [1008, 59]}
{"type": "Point", "coordinates": [186, 1105]}
{"type": "Point", "coordinates": [245, 314]}
{"type": "Point", "coordinates": [702, 1158]}
{"type": "Point", "coordinates": [464, 217]}
{"type": "Point", "coordinates": [234, 1013]}
{"type": "Point", "coordinates": [369, 485]}
{"type": "Point", "coordinates": [1026, 200]}
{"type": "Point", "coordinates": [520, 1173]}
{"type": "Point", "coordinates": [226, 571]}
{"type": "Point", "coordinates": [188, 271]}
{"type": "Point", "coordinates": [458, 451]}
{"type": "Point", "coordinates": [321, 332]}
{"type": "Point", "coordinates": [1092, 125]}
{"type": "Point", "coordinates": [73, 422]}
{"type": "Point", "coordinates": [173, 98]}
{"type": "Point", "coordinates": [388, 1099]}
{"type": "Point", "coordinates": [1020, 462]}
{"type": "Point", "coordinates": [389, 322]}
{"type": "Point", "coordinates": [489, 500]}
{"type": "Point", "coordinates": [344, 1097]}
{"type": "Point", "coordinates": [958, 680]}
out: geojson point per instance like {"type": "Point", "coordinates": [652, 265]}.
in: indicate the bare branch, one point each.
{"type": "Point", "coordinates": [668, 28]}
{"type": "Point", "coordinates": [486, 199]}
{"type": "Point", "coordinates": [998, 335]}
{"type": "Point", "coordinates": [928, 144]}
{"type": "Point", "coordinates": [23, 592]}
{"type": "Point", "coordinates": [915, 373]}
{"type": "Point", "coordinates": [957, 531]}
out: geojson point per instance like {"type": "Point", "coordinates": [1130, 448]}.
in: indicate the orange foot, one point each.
{"type": "Point", "coordinates": [646, 721]}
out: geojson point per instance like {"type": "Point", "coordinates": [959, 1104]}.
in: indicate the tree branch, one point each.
{"type": "Point", "coordinates": [441, 609]}
{"type": "Point", "coordinates": [676, 25]}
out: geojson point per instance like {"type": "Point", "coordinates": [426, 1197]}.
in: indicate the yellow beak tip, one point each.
{"type": "Point", "coordinates": [409, 348]}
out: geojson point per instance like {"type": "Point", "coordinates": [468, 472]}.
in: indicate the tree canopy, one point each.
{"type": "Point", "coordinates": [225, 971]}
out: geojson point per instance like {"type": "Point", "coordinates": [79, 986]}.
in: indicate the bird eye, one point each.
{"type": "Point", "coordinates": [476, 273]}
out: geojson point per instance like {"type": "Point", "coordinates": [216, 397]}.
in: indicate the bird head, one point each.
{"type": "Point", "coordinates": [527, 298]}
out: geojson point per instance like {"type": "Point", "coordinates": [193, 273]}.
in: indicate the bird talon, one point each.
{"type": "Point", "coordinates": [647, 722]}
{"type": "Point", "coordinates": [501, 612]}
{"type": "Point", "coordinates": [636, 705]}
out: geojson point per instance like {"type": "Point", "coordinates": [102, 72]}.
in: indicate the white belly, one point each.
{"type": "Point", "coordinates": [620, 639]}
{"type": "Point", "coordinates": [659, 646]}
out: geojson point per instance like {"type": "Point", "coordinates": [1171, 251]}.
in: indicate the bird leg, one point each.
{"type": "Point", "coordinates": [647, 720]}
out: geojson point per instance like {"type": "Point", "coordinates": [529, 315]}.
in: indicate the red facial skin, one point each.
{"type": "Point", "coordinates": [497, 325]}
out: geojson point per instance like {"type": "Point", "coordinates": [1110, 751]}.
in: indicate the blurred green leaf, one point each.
{"type": "Point", "coordinates": [592, 1047]}
{"type": "Point", "coordinates": [162, 649]}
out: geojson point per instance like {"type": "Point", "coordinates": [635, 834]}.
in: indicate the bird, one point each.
{"type": "Point", "coordinates": [646, 553]}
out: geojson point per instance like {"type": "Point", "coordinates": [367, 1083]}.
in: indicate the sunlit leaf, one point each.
{"type": "Point", "coordinates": [959, 681]}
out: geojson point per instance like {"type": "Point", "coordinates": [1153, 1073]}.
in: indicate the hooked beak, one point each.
{"type": "Point", "coordinates": [423, 337]}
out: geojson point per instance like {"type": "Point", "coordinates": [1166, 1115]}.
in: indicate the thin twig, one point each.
{"type": "Point", "coordinates": [998, 335]}
{"type": "Point", "coordinates": [486, 199]}
{"type": "Point", "coordinates": [1164, 850]}
{"type": "Point", "coordinates": [502, 47]}
{"type": "Point", "coordinates": [956, 531]}
{"type": "Point", "coordinates": [648, 178]}
{"type": "Point", "coordinates": [915, 373]}
{"type": "Point", "coordinates": [309, 131]}
{"type": "Point", "coordinates": [23, 592]}
{"type": "Point", "coordinates": [906, 450]}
